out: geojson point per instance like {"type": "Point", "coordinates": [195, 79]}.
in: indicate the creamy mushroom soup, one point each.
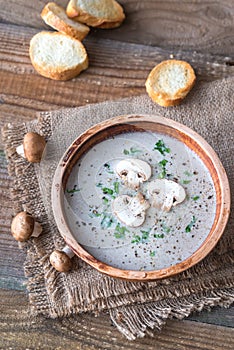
{"type": "Point", "coordinates": [165, 237]}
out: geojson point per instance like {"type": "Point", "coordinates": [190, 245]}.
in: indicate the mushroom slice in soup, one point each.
{"type": "Point", "coordinates": [165, 194]}
{"type": "Point", "coordinates": [133, 172]}
{"type": "Point", "coordinates": [130, 210]}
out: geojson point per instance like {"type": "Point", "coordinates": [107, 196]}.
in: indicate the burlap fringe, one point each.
{"type": "Point", "coordinates": [139, 320]}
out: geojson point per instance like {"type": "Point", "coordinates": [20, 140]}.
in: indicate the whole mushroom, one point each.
{"type": "Point", "coordinates": [130, 210]}
{"type": "Point", "coordinates": [165, 193]}
{"type": "Point", "coordinates": [61, 259]}
{"type": "Point", "coordinates": [24, 226]}
{"type": "Point", "coordinates": [133, 172]}
{"type": "Point", "coordinates": [32, 148]}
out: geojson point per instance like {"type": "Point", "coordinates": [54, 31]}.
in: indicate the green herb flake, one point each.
{"type": "Point", "coordinates": [191, 224]}
{"type": "Point", "coordinates": [152, 253]}
{"type": "Point", "coordinates": [195, 198]}
{"type": "Point", "coordinates": [136, 239]}
{"type": "Point", "coordinates": [107, 190]}
{"type": "Point", "coordinates": [158, 235]}
{"type": "Point", "coordinates": [105, 200]}
{"type": "Point", "coordinates": [186, 182]}
{"type": "Point", "coordinates": [120, 231]}
{"type": "Point", "coordinates": [145, 236]}
{"type": "Point", "coordinates": [108, 168]}
{"type": "Point", "coordinates": [162, 165]}
{"type": "Point", "coordinates": [99, 184]}
{"type": "Point", "coordinates": [126, 152]}
{"type": "Point", "coordinates": [94, 213]}
{"type": "Point", "coordinates": [187, 173]}
{"type": "Point", "coordinates": [116, 187]}
{"type": "Point", "coordinates": [134, 150]}
{"type": "Point", "coordinates": [106, 221]}
{"type": "Point", "coordinates": [74, 190]}
{"type": "Point", "coordinates": [160, 147]}
{"type": "Point", "coordinates": [165, 228]}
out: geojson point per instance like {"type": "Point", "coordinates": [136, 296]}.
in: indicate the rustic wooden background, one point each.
{"type": "Point", "coordinates": [201, 32]}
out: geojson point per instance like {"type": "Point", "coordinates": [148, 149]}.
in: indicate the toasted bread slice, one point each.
{"type": "Point", "coordinates": [57, 56]}
{"type": "Point", "coordinates": [55, 16]}
{"type": "Point", "coordinates": [96, 13]}
{"type": "Point", "coordinates": [169, 82]}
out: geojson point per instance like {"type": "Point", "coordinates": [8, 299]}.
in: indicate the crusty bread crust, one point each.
{"type": "Point", "coordinates": [157, 93]}
{"type": "Point", "coordinates": [78, 14]}
{"type": "Point", "coordinates": [57, 72]}
{"type": "Point", "coordinates": [55, 16]}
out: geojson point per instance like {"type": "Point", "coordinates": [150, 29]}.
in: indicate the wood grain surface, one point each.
{"type": "Point", "coordinates": [20, 331]}
{"type": "Point", "coordinates": [201, 32]}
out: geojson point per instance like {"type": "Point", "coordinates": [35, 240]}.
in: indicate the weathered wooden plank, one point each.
{"type": "Point", "coordinates": [116, 70]}
{"type": "Point", "coordinates": [193, 25]}
{"type": "Point", "coordinates": [18, 330]}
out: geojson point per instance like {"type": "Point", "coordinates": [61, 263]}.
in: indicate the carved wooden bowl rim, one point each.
{"type": "Point", "coordinates": [128, 123]}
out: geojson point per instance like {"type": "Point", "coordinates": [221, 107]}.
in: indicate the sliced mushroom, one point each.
{"type": "Point", "coordinates": [130, 210]}
{"type": "Point", "coordinates": [165, 193]}
{"type": "Point", "coordinates": [32, 148]}
{"type": "Point", "coordinates": [133, 172]}
{"type": "Point", "coordinates": [24, 226]}
{"type": "Point", "coordinates": [61, 259]}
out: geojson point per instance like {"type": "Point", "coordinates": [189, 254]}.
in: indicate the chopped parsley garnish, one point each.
{"type": "Point", "coordinates": [160, 147]}
{"type": "Point", "coordinates": [132, 150]}
{"type": "Point", "coordinates": [107, 221]}
{"type": "Point", "coordinates": [108, 168]}
{"type": "Point", "coordinates": [116, 187]}
{"type": "Point", "coordinates": [191, 224]}
{"type": "Point", "coordinates": [105, 200]}
{"type": "Point", "coordinates": [187, 173]}
{"type": "Point", "coordinates": [94, 213]}
{"type": "Point", "coordinates": [120, 231]}
{"type": "Point", "coordinates": [73, 190]}
{"type": "Point", "coordinates": [143, 238]}
{"type": "Point", "coordinates": [136, 239]}
{"type": "Point", "coordinates": [195, 198]}
{"type": "Point", "coordinates": [186, 182]}
{"type": "Point", "coordinates": [158, 235]}
{"type": "Point", "coordinates": [107, 190]}
{"type": "Point", "coordinates": [99, 184]}
{"type": "Point", "coordinates": [162, 165]}
{"type": "Point", "coordinates": [165, 228]}
{"type": "Point", "coordinates": [152, 253]}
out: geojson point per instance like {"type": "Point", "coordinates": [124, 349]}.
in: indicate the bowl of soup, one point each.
{"type": "Point", "coordinates": [140, 197]}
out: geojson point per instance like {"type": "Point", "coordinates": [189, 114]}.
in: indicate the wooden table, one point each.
{"type": "Point", "coordinates": [201, 32]}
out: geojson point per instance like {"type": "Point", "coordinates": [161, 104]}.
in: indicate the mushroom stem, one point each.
{"type": "Point", "coordinates": [37, 230]}
{"type": "Point", "coordinates": [20, 150]}
{"type": "Point", "coordinates": [67, 250]}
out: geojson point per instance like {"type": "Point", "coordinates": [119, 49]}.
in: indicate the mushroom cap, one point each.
{"type": "Point", "coordinates": [133, 171]}
{"type": "Point", "coordinates": [130, 210]}
{"type": "Point", "coordinates": [34, 145]}
{"type": "Point", "coordinates": [22, 226]}
{"type": "Point", "coordinates": [60, 261]}
{"type": "Point", "coordinates": [166, 193]}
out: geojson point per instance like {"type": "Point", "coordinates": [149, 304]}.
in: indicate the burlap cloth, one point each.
{"type": "Point", "coordinates": [134, 308]}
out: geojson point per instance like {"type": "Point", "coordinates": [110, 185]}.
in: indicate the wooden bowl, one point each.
{"type": "Point", "coordinates": [141, 123]}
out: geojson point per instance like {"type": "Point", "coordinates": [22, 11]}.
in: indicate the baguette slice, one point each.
{"type": "Point", "coordinates": [57, 56]}
{"type": "Point", "coordinates": [169, 82]}
{"type": "Point", "coordinates": [55, 16]}
{"type": "Point", "coordinates": [96, 13]}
